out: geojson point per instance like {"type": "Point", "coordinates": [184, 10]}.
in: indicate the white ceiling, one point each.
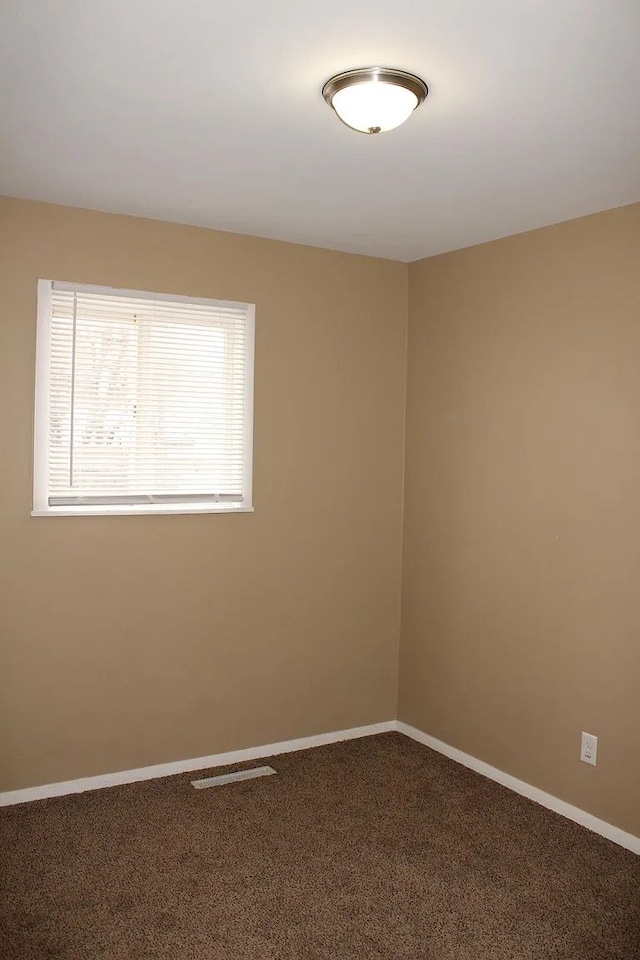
{"type": "Point", "coordinates": [210, 113]}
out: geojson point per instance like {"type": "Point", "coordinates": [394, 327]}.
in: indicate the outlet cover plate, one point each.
{"type": "Point", "coordinates": [589, 749]}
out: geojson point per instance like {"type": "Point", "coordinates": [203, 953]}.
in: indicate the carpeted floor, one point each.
{"type": "Point", "coordinates": [375, 849]}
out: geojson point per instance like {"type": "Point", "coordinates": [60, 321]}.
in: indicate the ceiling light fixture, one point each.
{"type": "Point", "coordinates": [374, 99]}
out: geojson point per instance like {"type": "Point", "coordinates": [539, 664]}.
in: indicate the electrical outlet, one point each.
{"type": "Point", "coordinates": [589, 751]}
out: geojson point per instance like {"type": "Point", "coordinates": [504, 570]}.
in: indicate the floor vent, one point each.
{"type": "Point", "coordinates": [232, 777]}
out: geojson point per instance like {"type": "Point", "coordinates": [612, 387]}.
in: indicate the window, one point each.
{"type": "Point", "coordinates": [144, 402]}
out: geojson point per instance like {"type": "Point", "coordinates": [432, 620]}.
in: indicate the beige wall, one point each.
{"type": "Point", "coordinates": [128, 641]}
{"type": "Point", "coordinates": [521, 582]}
{"type": "Point", "coordinates": [136, 640]}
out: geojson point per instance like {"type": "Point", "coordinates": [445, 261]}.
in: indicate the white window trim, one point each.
{"type": "Point", "coordinates": [41, 506]}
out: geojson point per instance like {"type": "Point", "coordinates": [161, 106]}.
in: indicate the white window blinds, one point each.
{"type": "Point", "coordinates": [143, 399]}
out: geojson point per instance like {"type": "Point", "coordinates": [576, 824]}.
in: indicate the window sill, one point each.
{"type": "Point", "coordinates": [136, 511]}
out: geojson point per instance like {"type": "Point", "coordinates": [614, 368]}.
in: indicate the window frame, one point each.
{"type": "Point", "coordinates": [40, 506]}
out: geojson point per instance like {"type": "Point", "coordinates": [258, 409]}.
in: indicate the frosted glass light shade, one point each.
{"type": "Point", "coordinates": [374, 99]}
{"type": "Point", "coordinates": [365, 106]}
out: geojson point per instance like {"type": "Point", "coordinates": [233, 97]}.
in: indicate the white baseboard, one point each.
{"type": "Point", "coordinates": [186, 766]}
{"type": "Point", "coordinates": [627, 840]}
{"type": "Point", "coordinates": [623, 839]}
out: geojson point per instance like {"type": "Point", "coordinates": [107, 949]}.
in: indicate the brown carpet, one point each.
{"type": "Point", "coordinates": [375, 849]}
